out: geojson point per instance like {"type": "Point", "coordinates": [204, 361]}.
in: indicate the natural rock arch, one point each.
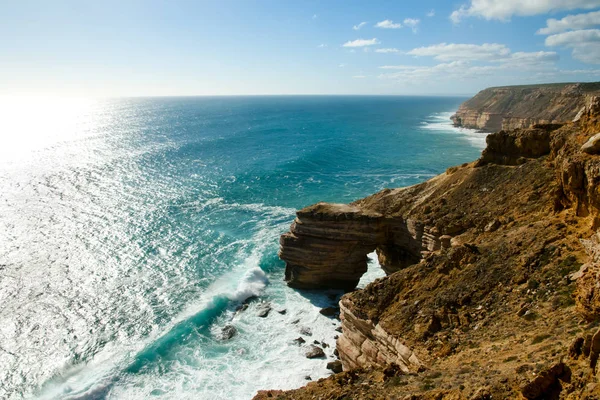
{"type": "Point", "coordinates": [327, 245]}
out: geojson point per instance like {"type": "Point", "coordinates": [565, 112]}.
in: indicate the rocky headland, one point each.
{"type": "Point", "coordinates": [492, 288]}
{"type": "Point", "coordinates": [513, 107]}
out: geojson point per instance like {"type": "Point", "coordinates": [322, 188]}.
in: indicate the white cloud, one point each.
{"type": "Point", "coordinates": [431, 13]}
{"type": "Point", "coordinates": [529, 58]}
{"type": "Point", "coordinates": [571, 22]}
{"type": "Point", "coordinates": [388, 24]}
{"type": "Point", "coordinates": [322, 46]}
{"type": "Point", "coordinates": [585, 44]}
{"type": "Point", "coordinates": [573, 38]}
{"type": "Point", "coordinates": [388, 50]}
{"type": "Point", "coordinates": [504, 9]}
{"type": "Point", "coordinates": [361, 42]}
{"type": "Point", "coordinates": [359, 76]}
{"type": "Point", "coordinates": [357, 27]}
{"type": "Point", "coordinates": [412, 23]}
{"type": "Point", "coordinates": [342, 65]}
{"type": "Point", "coordinates": [456, 51]}
{"type": "Point", "coordinates": [460, 70]}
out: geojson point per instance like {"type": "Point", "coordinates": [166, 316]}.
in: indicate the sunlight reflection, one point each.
{"type": "Point", "coordinates": [33, 123]}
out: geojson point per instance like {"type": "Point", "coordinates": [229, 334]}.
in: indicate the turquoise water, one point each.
{"type": "Point", "coordinates": [131, 230]}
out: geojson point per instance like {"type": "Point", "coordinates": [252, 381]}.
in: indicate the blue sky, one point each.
{"type": "Point", "coordinates": [227, 47]}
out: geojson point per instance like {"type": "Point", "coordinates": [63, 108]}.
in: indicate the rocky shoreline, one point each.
{"type": "Point", "coordinates": [492, 275]}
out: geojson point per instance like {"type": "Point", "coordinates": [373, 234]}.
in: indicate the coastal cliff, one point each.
{"type": "Point", "coordinates": [492, 275]}
{"type": "Point", "coordinates": [514, 107]}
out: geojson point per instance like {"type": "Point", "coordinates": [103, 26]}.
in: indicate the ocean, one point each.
{"type": "Point", "coordinates": [131, 231]}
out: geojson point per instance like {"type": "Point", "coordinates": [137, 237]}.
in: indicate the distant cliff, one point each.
{"type": "Point", "coordinates": [513, 107]}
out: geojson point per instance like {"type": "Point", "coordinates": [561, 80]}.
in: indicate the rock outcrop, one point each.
{"type": "Point", "coordinates": [327, 245]}
{"type": "Point", "coordinates": [493, 276]}
{"type": "Point", "coordinates": [515, 107]}
{"type": "Point", "coordinates": [366, 343]}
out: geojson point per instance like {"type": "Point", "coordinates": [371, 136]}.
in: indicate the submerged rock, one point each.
{"type": "Point", "coordinates": [306, 331]}
{"type": "Point", "coordinates": [228, 332]}
{"type": "Point", "coordinates": [263, 310]}
{"type": "Point", "coordinates": [299, 340]}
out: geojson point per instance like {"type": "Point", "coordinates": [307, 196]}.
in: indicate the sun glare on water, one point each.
{"type": "Point", "coordinates": [29, 124]}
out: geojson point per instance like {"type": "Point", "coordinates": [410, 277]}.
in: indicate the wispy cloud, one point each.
{"type": "Point", "coordinates": [315, 16]}
{"type": "Point", "coordinates": [571, 22]}
{"type": "Point", "coordinates": [431, 13]}
{"type": "Point", "coordinates": [388, 24]}
{"type": "Point", "coordinates": [460, 70]}
{"type": "Point", "coordinates": [412, 23]}
{"type": "Point", "coordinates": [361, 42]}
{"type": "Point", "coordinates": [357, 27]}
{"type": "Point", "coordinates": [585, 44]}
{"type": "Point", "coordinates": [388, 50]}
{"type": "Point", "coordinates": [458, 51]}
{"type": "Point", "coordinates": [465, 71]}
{"type": "Point", "coordinates": [322, 46]}
{"type": "Point", "coordinates": [359, 76]}
{"type": "Point", "coordinates": [342, 65]}
{"type": "Point", "coordinates": [487, 52]}
{"type": "Point", "coordinates": [504, 9]}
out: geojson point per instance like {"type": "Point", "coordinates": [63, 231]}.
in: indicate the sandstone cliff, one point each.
{"type": "Point", "coordinates": [493, 275]}
{"type": "Point", "coordinates": [513, 107]}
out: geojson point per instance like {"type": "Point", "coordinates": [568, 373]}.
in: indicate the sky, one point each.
{"type": "Point", "coordinates": [243, 47]}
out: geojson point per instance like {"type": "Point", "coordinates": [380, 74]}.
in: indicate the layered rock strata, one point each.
{"type": "Point", "coordinates": [516, 107]}
{"type": "Point", "coordinates": [366, 343]}
{"type": "Point", "coordinates": [491, 313]}
{"type": "Point", "coordinates": [327, 245]}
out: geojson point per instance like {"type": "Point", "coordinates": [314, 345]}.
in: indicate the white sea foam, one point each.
{"type": "Point", "coordinates": [374, 271]}
{"type": "Point", "coordinates": [441, 122]}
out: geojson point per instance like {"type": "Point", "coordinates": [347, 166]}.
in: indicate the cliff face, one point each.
{"type": "Point", "coordinates": [327, 245]}
{"type": "Point", "coordinates": [493, 275]}
{"type": "Point", "coordinates": [514, 107]}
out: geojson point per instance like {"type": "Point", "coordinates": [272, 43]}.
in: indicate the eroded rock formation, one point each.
{"type": "Point", "coordinates": [327, 245]}
{"type": "Point", "coordinates": [500, 284]}
{"type": "Point", "coordinates": [515, 107]}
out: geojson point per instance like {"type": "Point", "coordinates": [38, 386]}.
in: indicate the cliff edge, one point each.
{"type": "Point", "coordinates": [493, 271]}
{"type": "Point", "coordinates": [513, 107]}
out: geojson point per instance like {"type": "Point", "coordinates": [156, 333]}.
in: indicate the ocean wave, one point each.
{"type": "Point", "coordinates": [441, 122]}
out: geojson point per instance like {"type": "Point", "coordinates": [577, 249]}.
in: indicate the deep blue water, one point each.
{"type": "Point", "coordinates": [130, 230]}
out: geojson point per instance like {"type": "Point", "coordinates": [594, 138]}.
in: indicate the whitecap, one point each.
{"type": "Point", "coordinates": [441, 122]}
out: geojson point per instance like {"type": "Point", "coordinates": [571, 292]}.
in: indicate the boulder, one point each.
{"type": "Point", "coordinates": [314, 352]}
{"type": "Point", "coordinates": [545, 384]}
{"type": "Point", "coordinates": [335, 366]}
{"type": "Point", "coordinates": [493, 226]}
{"type": "Point", "coordinates": [592, 146]}
{"type": "Point", "coordinates": [330, 311]}
{"type": "Point", "coordinates": [445, 241]}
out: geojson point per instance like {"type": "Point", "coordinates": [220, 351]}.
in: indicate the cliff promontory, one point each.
{"type": "Point", "coordinates": [493, 275]}
{"type": "Point", "coordinates": [512, 107]}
